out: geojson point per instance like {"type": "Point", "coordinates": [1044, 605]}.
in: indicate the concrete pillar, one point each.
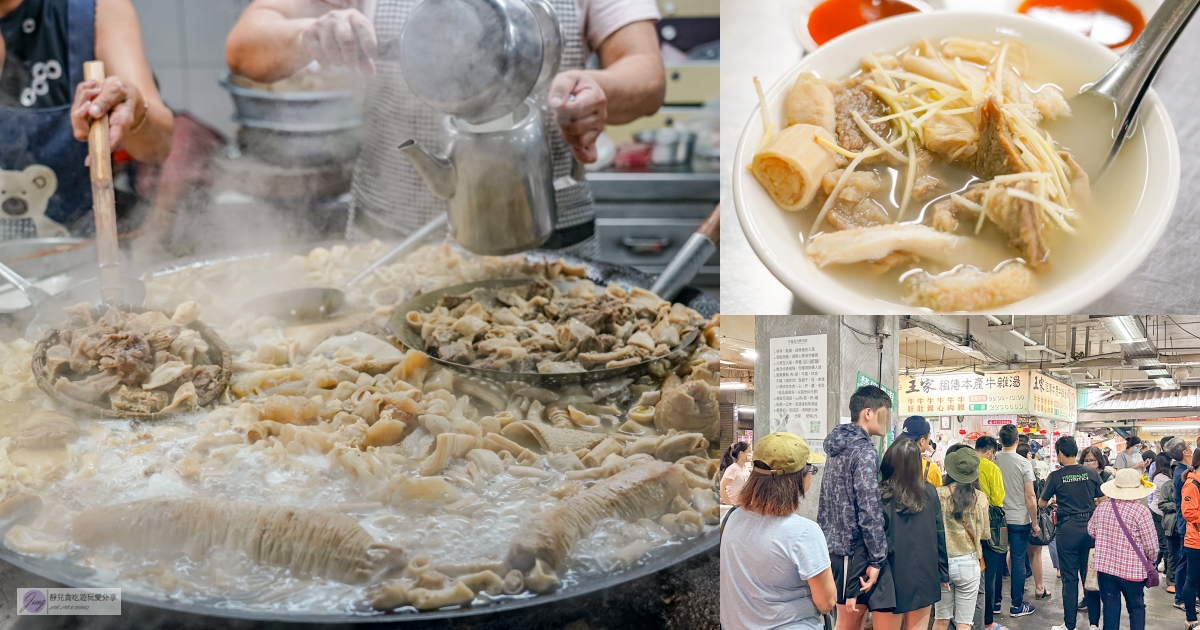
{"type": "Point", "coordinates": [852, 347]}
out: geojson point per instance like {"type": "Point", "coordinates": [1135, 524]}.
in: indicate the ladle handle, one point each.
{"type": "Point", "coordinates": [438, 223]}
{"type": "Point", "coordinates": [35, 294]}
{"type": "Point", "coordinates": [103, 201]}
{"type": "Point", "coordinates": [1128, 80]}
{"type": "Point", "coordinates": [691, 257]}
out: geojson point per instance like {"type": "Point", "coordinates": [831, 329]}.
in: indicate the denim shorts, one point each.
{"type": "Point", "coordinates": [958, 603]}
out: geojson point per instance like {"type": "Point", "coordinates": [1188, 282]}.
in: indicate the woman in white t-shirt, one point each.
{"type": "Point", "coordinates": [775, 563]}
{"type": "Point", "coordinates": [736, 464]}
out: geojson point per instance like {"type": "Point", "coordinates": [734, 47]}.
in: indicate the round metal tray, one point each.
{"type": "Point", "coordinates": [427, 301]}
{"type": "Point", "coordinates": [72, 575]}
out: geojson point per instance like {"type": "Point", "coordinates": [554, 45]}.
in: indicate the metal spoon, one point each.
{"type": "Point", "coordinates": [1114, 98]}
{"type": "Point", "coordinates": [318, 302]}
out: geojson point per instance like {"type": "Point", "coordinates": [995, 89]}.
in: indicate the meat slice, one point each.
{"type": "Point", "coordinates": [128, 354]}
{"type": "Point", "coordinates": [996, 153]}
{"type": "Point", "coordinates": [645, 490]}
{"type": "Point", "coordinates": [854, 206]}
{"type": "Point", "coordinates": [862, 100]}
{"type": "Point", "coordinates": [307, 542]}
{"type": "Point", "coordinates": [875, 243]}
{"type": "Point", "coordinates": [91, 388]}
{"type": "Point", "coordinates": [1020, 219]}
{"type": "Point", "coordinates": [966, 288]}
{"type": "Point", "coordinates": [691, 406]}
{"type": "Point", "coordinates": [137, 400]}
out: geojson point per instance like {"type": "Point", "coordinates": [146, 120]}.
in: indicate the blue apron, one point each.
{"type": "Point", "coordinates": [30, 137]}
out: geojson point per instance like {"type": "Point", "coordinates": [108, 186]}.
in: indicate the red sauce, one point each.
{"type": "Point", "coordinates": [1113, 23]}
{"type": "Point", "coordinates": [834, 17]}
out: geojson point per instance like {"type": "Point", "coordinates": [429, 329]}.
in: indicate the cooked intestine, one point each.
{"type": "Point", "coordinates": [640, 491]}
{"type": "Point", "coordinates": [307, 542]}
{"type": "Point", "coordinates": [447, 467]}
{"type": "Point", "coordinates": [941, 166]}
{"type": "Point", "coordinates": [791, 165]}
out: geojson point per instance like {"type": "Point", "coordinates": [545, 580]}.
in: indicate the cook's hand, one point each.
{"type": "Point", "coordinates": [581, 109]}
{"type": "Point", "coordinates": [121, 100]}
{"type": "Point", "coordinates": [342, 38]}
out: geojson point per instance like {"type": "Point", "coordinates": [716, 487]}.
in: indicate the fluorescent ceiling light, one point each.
{"type": "Point", "coordinates": [733, 385]}
{"type": "Point", "coordinates": [1125, 328]}
{"type": "Point", "coordinates": [1157, 372]}
{"type": "Point", "coordinates": [741, 409]}
{"type": "Point", "coordinates": [750, 354]}
{"type": "Point", "coordinates": [724, 362]}
{"type": "Point", "coordinates": [1166, 383]}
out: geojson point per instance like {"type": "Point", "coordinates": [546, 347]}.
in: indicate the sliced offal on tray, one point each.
{"type": "Point", "coordinates": [553, 328]}
{"type": "Point", "coordinates": [132, 363]}
{"type": "Point", "coordinates": [341, 474]}
{"type": "Point", "coordinates": [931, 172]}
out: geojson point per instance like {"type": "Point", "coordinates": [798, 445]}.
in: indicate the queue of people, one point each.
{"type": "Point", "coordinates": [892, 543]}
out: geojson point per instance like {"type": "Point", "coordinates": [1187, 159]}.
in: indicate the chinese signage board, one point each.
{"type": "Point", "coordinates": [990, 394]}
{"type": "Point", "coordinates": [964, 394]}
{"type": "Point", "coordinates": [799, 380]}
{"type": "Point", "coordinates": [1050, 398]}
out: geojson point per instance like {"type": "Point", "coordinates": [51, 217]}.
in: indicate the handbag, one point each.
{"type": "Point", "coordinates": [982, 565]}
{"type": "Point", "coordinates": [1045, 519]}
{"type": "Point", "coordinates": [1092, 581]}
{"type": "Point", "coordinates": [999, 538]}
{"type": "Point", "coordinates": [1151, 571]}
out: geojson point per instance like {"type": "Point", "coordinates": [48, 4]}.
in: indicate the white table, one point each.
{"type": "Point", "coordinates": [758, 40]}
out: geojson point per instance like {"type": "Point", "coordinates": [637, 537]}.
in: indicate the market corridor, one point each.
{"type": "Point", "coordinates": [1160, 614]}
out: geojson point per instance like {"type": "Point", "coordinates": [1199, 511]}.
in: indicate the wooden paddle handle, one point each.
{"type": "Point", "coordinates": [104, 203]}
{"type": "Point", "coordinates": [711, 228]}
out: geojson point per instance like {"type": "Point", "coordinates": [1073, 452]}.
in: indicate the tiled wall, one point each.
{"type": "Point", "coordinates": [185, 43]}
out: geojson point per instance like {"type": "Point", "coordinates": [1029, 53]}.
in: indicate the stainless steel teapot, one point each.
{"type": "Point", "coordinates": [499, 184]}
{"type": "Point", "coordinates": [480, 61]}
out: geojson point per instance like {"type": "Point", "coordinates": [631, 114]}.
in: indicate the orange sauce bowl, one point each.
{"type": "Point", "coordinates": [818, 21]}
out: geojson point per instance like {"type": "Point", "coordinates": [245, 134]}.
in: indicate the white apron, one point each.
{"type": "Point", "coordinates": [389, 198]}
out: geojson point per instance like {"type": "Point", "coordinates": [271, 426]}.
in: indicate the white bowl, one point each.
{"type": "Point", "coordinates": [779, 247]}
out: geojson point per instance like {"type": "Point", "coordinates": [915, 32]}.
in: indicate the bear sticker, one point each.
{"type": "Point", "coordinates": [23, 198]}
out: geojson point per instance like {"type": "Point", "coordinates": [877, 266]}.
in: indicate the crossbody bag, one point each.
{"type": "Point", "coordinates": [1151, 571]}
{"type": "Point", "coordinates": [982, 564]}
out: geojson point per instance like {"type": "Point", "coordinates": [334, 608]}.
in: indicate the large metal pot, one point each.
{"type": "Point", "coordinates": [295, 111]}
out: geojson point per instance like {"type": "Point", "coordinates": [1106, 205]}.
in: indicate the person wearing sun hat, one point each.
{"type": "Point", "coordinates": [775, 568]}
{"type": "Point", "coordinates": [1126, 547]}
{"type": "Point", "coordinates": [965, 515]}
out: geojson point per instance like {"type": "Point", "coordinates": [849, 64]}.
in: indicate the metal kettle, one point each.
{"type": "Point", "coordinates": [499, 184]}
{"type": "Point", "coordinates": [479, 59]}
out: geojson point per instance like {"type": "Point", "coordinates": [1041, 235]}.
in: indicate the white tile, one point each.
{"type": "Point", "coordinates": [172, 86]}
{"type": "Point", "coordinates": [206, 25]}
{"type": "Point", "coordinates": [208, 101]}
{"type": "Point", "coordinates": [159, 21]}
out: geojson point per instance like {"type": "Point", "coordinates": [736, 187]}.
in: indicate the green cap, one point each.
{"type": "Point", "coordinates": [963, 465]}
{"type": "Point", "coordinates": [784, 453]}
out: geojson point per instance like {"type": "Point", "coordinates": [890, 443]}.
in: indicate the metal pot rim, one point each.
{"type": "Point", "coordinates": [321, 95]}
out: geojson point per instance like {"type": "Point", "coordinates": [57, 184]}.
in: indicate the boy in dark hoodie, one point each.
{"type": "Point", "coordinates": [850, 511]}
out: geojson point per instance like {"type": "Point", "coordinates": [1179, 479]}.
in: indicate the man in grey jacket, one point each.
{"type": "Point", "coordinates": [850, 511]}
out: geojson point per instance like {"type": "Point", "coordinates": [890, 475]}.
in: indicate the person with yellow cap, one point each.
{"type": "Point", "coordinates": [775, 568]}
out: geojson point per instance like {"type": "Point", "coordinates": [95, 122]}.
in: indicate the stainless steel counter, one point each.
{"type": "Point", "coordinates": [644, 217]}
{"type": "Point", "coordinates": [760, 42]}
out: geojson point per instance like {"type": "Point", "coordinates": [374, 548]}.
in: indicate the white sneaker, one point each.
{"type": "Point", "coordinates": [1059, 628]}
{"type": "Point", "coordinates": [1093, 627]}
